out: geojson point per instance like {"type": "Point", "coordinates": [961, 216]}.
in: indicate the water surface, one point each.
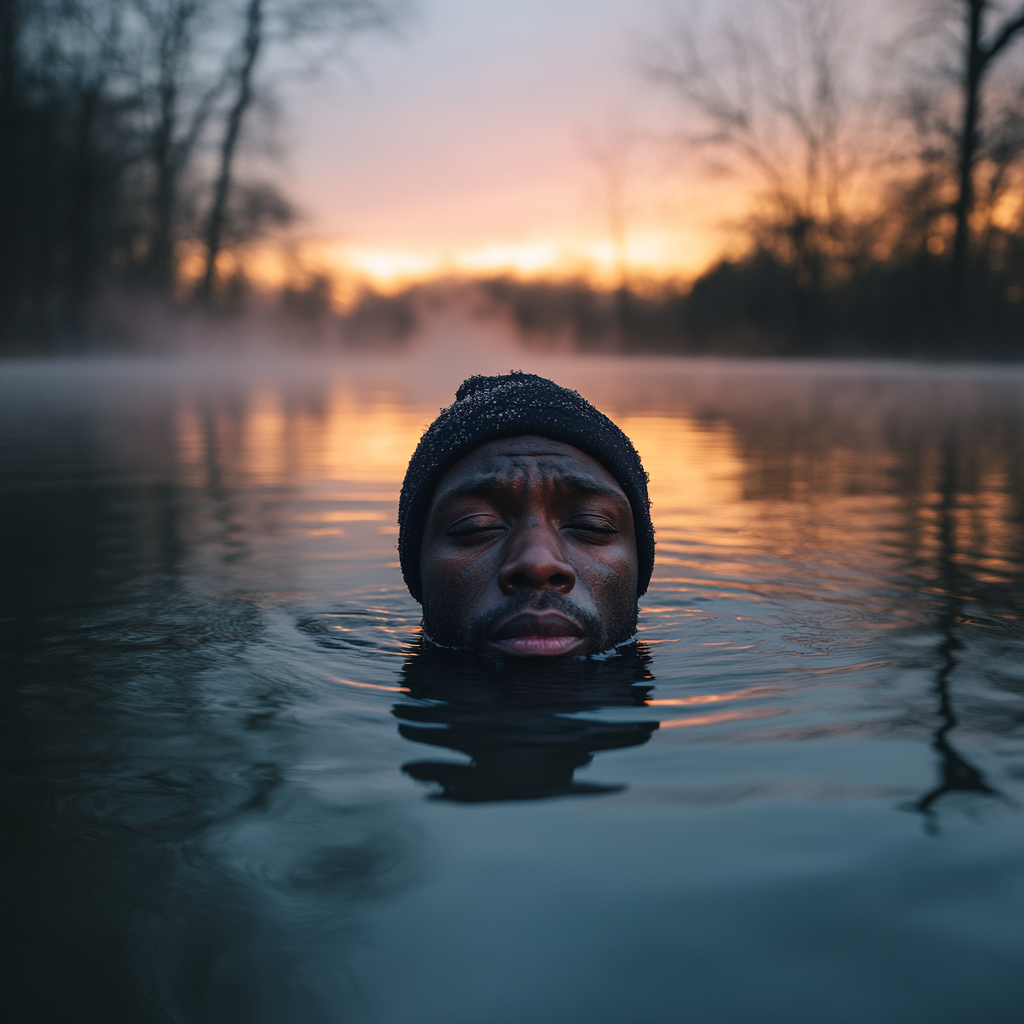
{"type": "Point", "coordinates": [238, 789]}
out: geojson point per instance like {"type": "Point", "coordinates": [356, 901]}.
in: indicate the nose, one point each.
{"type": "Point", "coordinates": [536, 560]}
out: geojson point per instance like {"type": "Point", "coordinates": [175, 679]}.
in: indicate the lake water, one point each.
{"type": "Point", "coordinates": [238, 790]}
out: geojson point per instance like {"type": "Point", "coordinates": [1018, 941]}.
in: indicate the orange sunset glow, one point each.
{"type": "Point", "coordinates": [519, 139]}
{"type": "Point", "coordinates": [706, 496]}
{"type": "Point", "coordinates": [651, 257]}
{"type": "Point", "coordinates": [493, 139]}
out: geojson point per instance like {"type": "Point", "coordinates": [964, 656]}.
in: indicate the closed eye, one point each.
{"type": "Point", "coordinates": [592, 525]}
{"type": "Point", "coordinates": [475, 526]}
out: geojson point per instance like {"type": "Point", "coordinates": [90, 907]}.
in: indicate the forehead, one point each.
{"type": "Point", "coordinates": [515, 461]}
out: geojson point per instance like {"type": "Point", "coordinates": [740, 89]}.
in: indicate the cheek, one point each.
{"type": "Point", "coordinates": [458, 576]}
{"type": "Point", "coordinates": [609, 574]}
{"type": "Point", "coordinates": [455, 585]}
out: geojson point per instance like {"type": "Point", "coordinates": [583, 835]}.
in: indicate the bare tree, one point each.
{"type": "Point", "coordinates": [980, 52]}
{"type": "Point", "coordinates": [268, 24]}
{"type": "Point", "coordinates": [184, 98]}
{"type": "Point", "coordinates": [771, 87]}
{"type": "Point", "coordinates": [108, 109]}
{"type": "Point", "coordinates": [610, 153]}
{"type": "Point", "coordinates": [252, 43]}
{"type": "Point", "coordinates": [92, 57]}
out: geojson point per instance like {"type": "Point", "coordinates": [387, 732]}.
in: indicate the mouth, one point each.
{"type": "Point", "coordinates": [539, 634]}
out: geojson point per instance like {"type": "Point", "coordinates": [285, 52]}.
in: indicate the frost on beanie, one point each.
{"type": "Point", "coordinates": [488, 408]}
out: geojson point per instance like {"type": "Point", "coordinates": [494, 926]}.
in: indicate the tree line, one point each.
{"type": "Point", "coordinates": [123, 126]}
{"type": "Point", "coordinates": [884, 179]}
{"type": "Point", "coordinates": [886, 211]}
{"type": "Point", "coordinates": [888, 188]}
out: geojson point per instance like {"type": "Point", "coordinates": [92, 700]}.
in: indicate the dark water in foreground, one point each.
{"type": "Point", "coordinates": [236, 790]}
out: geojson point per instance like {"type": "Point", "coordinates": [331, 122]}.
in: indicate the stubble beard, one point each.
{"type": "Point", "coordinates": [442, 627]}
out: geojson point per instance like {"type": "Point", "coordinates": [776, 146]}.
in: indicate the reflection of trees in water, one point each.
{"type": "Point", "coordinates": [160, 853]}
{"type": "Point", "coordinates": [956, 773]}
{"type": "Point", "coordinates": [945, 461]}
{"type": "Point", "coordinates": [512, 720]}
{"type": "Point", "coordinates": [959, 481]}
{"type": "Point", "coordinates": [161, 861]}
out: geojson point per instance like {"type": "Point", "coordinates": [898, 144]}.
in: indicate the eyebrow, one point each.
{"type": "Point", "coordinates": [488, 482]}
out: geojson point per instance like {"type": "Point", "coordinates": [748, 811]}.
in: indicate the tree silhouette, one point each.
{"type": "Point", "coordinates": [109, 110]}
{"type": "Point", "coordinates": [978, 58]}
{"type": "Point", "coordinates": [268, 24]}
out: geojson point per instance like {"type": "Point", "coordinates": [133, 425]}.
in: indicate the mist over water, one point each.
{"type": "Point", "coordinates": [238, 788]}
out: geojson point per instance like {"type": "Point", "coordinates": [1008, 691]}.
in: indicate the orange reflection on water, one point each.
{"type": "Point", "coordinates": [722, 716]}
{"type": "Point", "coordinates": [342, 516]}
{"type": "Point", "coordinates": [750, 692]}
{"type": "Point", "coordinates": [817, 476]}
{"type": "Point", "coordinates": [370, 686]}
{"type": "Point", "coordinates": [695, 471]}
{"type": "Point", "coordinates": [369, 439]}
{"type": "Point", "coordinates": [273, 439]}
{"type": "Point", "coordinates": [751, 481]}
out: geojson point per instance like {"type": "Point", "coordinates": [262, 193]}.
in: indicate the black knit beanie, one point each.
{"type": "Point", "coordinates": [488, 408]}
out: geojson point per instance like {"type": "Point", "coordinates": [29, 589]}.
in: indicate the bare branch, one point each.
{"type": "Point", "coordinates": [1010, 28]}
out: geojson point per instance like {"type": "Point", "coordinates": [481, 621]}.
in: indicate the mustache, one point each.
{"type": "Point", "coordinates": [482, 627]}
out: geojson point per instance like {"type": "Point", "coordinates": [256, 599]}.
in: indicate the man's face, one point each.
{"type": "Point", "coordinates": [529, 551]}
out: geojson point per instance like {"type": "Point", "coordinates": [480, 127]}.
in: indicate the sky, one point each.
{"type": "Point", "coordinates": [480, 136]}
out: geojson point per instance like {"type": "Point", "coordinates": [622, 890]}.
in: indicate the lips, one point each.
{"type": "Point", "coordinates": [532, 634]}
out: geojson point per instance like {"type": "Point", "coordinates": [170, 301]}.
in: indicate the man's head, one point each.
{"type": "Point", "coordinates": [524, 521]}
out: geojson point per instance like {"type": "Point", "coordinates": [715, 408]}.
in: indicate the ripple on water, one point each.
{"type": "Point", "coordinates": [233, 769]}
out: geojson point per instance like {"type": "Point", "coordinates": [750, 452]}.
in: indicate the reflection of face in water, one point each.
{"type": "Point", "coordinates": [513, 720]}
